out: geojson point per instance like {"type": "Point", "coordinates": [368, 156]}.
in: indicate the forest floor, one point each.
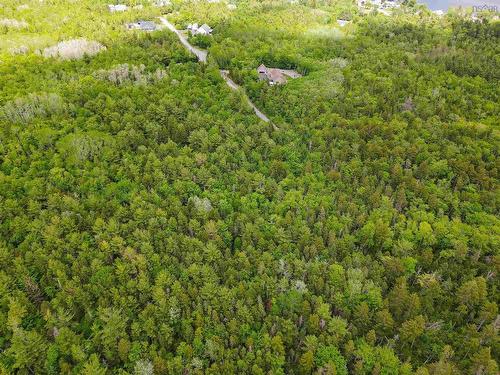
{"type": "Point", "coordinates": [202, 57]}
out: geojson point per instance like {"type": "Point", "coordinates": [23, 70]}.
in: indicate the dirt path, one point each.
{"type": "Point", "coordinates": [202, 57]}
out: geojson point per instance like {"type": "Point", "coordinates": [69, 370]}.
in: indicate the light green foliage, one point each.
{"type": "Point", "coordinates": [150, 223]}
{"type": "Point", "coordinates": [93, 367]}
{"type": "Point", "coordinates": [376, 360]}
{"type": "Point", "coordinates": [330, 355]}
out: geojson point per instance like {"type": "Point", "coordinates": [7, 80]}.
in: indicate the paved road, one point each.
{"type": "Point", "coordinates": [202, 57]}
{"type": "Point", "coordinates": [234, 86]}
{"type": "Point", "coordinates": [200, 54]}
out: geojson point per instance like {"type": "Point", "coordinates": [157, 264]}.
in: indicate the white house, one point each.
{"type": "Point", "coordinates": [162, 3]}
{"type": "Point", "coordinates": [474, 17]}
{"type": "Point", "coordinates": [142, 25]}
{"type": "Point", "coordinates": [204, 30]}
{"type": "Point", "coordinates": [192, 27]}
{"type": "Point", "coordinates": [117, 8]}
{"type": "Point", "coordinates": [391, 4]}
{"type": "Point", "coordinates": [201, 30]}
{"type": "Point", "coordinates": [342, 23]}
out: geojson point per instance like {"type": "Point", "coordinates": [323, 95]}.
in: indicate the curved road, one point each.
{"type": "Point", "coordinates": [200, 54]}
{"type": "Point", "coordinates": [202, 57]}
{"type": "Point", "coordinates": [234, 86]}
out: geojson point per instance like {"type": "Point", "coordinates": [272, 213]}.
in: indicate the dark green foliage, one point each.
{"type": "Point", "coordinates": [150, 223]}
{"type": "Point", "coordinates": [202, 41]}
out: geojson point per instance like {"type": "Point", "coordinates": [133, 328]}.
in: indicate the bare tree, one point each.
{"type": "Point", "coordinates": [74, 49]}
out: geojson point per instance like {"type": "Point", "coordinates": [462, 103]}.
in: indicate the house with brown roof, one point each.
{"type": "Point", "coordinates": [262, 69]}
{"type": "Point", "coordinates": [276, 76]}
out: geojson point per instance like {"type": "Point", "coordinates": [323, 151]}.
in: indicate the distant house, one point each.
{"type": "Point", "coordinates": [117, 8]}
{"type": "Point", "coordinates": [162, 3]}
{"type": "Point", "coordinates": [391, 4]}
{"type": "Point", "coordinates": [262, 70]}
{"type": "Point", "coordinates": [474, 17]}
{"type": "Point", "coordinates": [364, 4]}
{"type": "Point", "coordinates": [192, 27]}
{"type": "Point", "coordinates": [202, 30]}
{"type": "Point", "coordinates": [342, 22]}
{"type": "Point", "coordinates": [142, 25]}
{"type": "Point", "coordinates": [275, 76]}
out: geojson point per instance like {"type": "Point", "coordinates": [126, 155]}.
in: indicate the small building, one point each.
{"type": "Point", "coordinates": [117, 8]}
{"type": "Point", "coordinates": [162, 3]}
{"type": "Point", "coordinates": [475, 18]}
{"type": "Point", "coordinates": [192, 27]}
{"type": "Point", "coordinates": [262, 71]}
{"type": "Point", "coordinates": [142, 25]}
{"type": "Point", "coordinates": [201, 30]}
{"type": "Point", "coordinates": [204, 30]}
{"type": "Point", "coordinates": [342, 22]}
{"type": "Point", "coordinates": [275, 76]}
{"type": "Point", "coordinates": [391, 4]}
{"type": "Point", "coordinates": [365, 4]}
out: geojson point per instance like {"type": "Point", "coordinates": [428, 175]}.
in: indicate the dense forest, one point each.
{"type": "Point", "coordinates": [150, 223]}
